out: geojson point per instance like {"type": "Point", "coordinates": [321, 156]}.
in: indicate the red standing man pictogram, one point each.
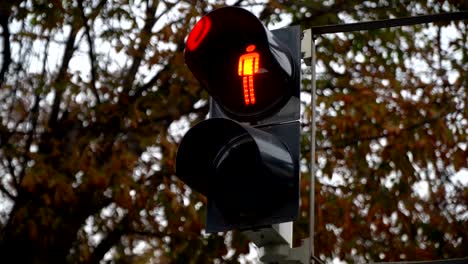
{"type": "Point", "coordinates": [248, 66]}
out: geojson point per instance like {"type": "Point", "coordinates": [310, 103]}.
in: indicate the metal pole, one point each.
{"type": "Point", "coordinates": [318, 30]}
{"type": "Point", "coordinates": [312, 153]}
{"type": "Point", "coordinates": [387, 23]}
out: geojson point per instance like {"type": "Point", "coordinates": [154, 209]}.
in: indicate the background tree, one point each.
{"type": "Point", "coordinates": [392, 133]}
{"type": "Point", "coordinates": [94, 98]}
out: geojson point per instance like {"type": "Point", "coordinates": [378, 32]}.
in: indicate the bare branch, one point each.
{"type": "Point", "coordinates": [29, 140]}
{"type": "Point", "coordinates": [124, 227]}
{"type": "Point", "coordinates": [146, 233]}
{"type": "Point", "coordinates": [238, 3]}
{"type": "Point", "coordinates": [34, 112]}
{"type": "Point", "coordinates": [11, 169]}
{"type": "Point", "coordinates": [5, 191]}
{"type": "Point", "coordinates": [4, 15]}
{"type": "Point", "coordinates": [152, 81]}
{"type": "Point", "coordinates": [67, 55]}
{"type": "Point", "coordinates": [109, 241]}
{"type": "Point", "coordinates": [145, 37]}
{"type": "Point", "coordinates": [59, 80]}
{"type": "Point", "coordinates": [167, 67]}
{"type": "Point", "coordinates": [92, 57]}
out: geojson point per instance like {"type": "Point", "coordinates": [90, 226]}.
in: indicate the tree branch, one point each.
{"type": "Point", "coordinates": [145, 233]}
{"type": "Point", "coordinates": [59, 80]}
{"type": "Point", "coordinates": [30, 136]}
{"type": "Point", "coordinates": [4, 15]}
{"type": "Point", "coordinates": [140, 89]}
{"type": "Point", "coordinates": [109, 241]}
{"type": "Point", "coordinates": [5, 191]}
{"type": "Point", "coordinates": [238, 3]}
{"type": "Point", "coordinates": [92, 57]}
{"type": "Point", "coordinates": [34, 112]}
{"type": "Point", "coordinates": [167, 67]}
{"type": "Point", "coordinates": [145, 37]}
{"type": "Point", "coordinates": [11, 169]}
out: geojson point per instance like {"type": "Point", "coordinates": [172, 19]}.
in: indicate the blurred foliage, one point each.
{"type": "Point", "coordinates": [95, 96]}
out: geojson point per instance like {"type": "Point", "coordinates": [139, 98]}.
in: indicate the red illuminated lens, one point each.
{"type": "Point", "coordinates": [248, 67]}
{"type": "Point", "coordinates": [198, 33]}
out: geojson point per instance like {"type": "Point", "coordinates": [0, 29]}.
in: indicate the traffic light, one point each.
{"type": "Point", "coordinates": [245, 157]}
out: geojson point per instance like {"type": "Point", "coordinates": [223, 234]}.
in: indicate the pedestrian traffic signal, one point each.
{"type": "Point", "coordinates": [245, 157]}
{"type": "Point", "coordinates": [235, 57]}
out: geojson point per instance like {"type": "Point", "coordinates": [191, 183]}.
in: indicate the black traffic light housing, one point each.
{"type": "Point", "coordinates": [245, 158]}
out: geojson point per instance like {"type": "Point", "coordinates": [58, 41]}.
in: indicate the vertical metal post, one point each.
{"type": "Point", "coordinates": [312, 151]}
